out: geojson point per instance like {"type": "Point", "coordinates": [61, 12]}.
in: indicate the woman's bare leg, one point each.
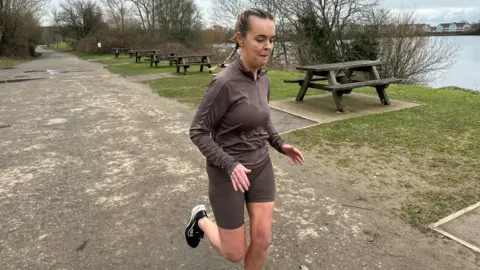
{"type": "Point", "coordinates": [229, 243]}
{"type": "Point", "coordinates": [261, 215]}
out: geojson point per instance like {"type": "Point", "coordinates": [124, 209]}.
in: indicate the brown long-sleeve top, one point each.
{"type": "Point", "coordinates": [232, 124]}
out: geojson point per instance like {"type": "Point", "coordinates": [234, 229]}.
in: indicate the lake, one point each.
{"type": "Point", "coordinates": [464, 73]}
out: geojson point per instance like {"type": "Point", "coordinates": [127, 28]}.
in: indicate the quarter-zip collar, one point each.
{"type": "Point", "coordinates": [240, 66]}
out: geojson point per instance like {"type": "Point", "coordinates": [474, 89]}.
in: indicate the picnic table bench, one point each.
{"type": "Point", "coordinates": [181, 61]}
{"type": "Point", "coordinates": [342, 79]}
{"type": "Point", "coordinates": [117, 51]}
{"type": "Point", "coordinates": [157, 57]}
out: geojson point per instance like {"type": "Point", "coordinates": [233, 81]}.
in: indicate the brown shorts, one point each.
{"type": "Point", "coordinates": [228, 204]}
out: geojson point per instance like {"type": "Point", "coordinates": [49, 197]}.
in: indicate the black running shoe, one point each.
{"type": "Point", "coordinates": [193, 233]}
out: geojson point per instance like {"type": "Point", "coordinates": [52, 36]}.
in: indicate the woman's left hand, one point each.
{"type": "Point", "coordinates": [293, 153]}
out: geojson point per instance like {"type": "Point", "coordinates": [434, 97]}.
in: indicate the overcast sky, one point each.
{"type": "Point", "coordinates": [439, 11]}
{"type": "Point", "coordinates": [429, 11]}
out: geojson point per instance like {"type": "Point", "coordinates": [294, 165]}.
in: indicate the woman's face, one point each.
{"type": "Point", "coordinates": [258, 43]}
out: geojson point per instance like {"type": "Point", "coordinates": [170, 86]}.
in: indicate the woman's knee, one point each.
{"type": "Point", "coordinates": [234, 255]}
{"type": "Point", "coordinates": [262, 240]}
{"type": "Point", "coordinates": [233, 244]}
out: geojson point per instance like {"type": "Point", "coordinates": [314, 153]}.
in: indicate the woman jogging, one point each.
{"type": "Point", "coordinates": [231, 129]}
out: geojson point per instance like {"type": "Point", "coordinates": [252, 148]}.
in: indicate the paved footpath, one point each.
{"type": "Point", "coordinates": [97, 172]}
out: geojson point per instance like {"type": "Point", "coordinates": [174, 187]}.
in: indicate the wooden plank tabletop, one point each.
{"type": "Point", "coordinates": [193, 55]}
{"type": "Point", "coordinates": [145, 50]}
{"type": "Point", "coordinates": [343, 65]}
{"type": "Point", "coordinates": [164, 54]}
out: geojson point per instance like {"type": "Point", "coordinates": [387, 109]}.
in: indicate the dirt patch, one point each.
{"type": "Point", "coordinates": [322, 109]}
{"type": "Point", "coordinates": [417, 189]}
{"type": "Point", "coordinates": [374, 174]}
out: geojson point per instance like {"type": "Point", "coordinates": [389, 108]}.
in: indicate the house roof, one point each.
{"type": "Point", "coordinates": [446, 25]}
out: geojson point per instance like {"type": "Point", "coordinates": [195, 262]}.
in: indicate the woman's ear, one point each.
{"type": "Point", "coordinates": [240, 39]}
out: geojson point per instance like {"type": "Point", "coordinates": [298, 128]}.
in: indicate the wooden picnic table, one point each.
{"type": "Point", "coordinates": [139, 53]}
{"type": "Point", "coordinates": [185, 61]}
{"type": "Point", "coordinates": [342, 78]}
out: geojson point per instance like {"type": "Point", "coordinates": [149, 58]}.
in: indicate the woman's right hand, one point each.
{"type": "Point", "coordinates": [239, 178]}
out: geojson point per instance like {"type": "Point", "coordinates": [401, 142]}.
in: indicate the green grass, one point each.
{"type": "Point", "coordinates": [430, 206]}
{"type": "Point", "coordinates": [141, 68]}
{"type": "Point", "coordinates": [439, 140]}
{"type": "Point", "coordinates": [6, 63]}
{"type": "Point", "coordinates": [446, 116]}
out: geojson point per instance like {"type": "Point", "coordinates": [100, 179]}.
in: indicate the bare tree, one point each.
{"type": "Point", "coordinates": [118, 11]}
{"type": "Point", "coordinates": [79, 18]}
{"type": "Point", "coordinates": [19, 20]}
{"type": "Point", "coordinates": [144, 10]}
{"type": "Point", "coordinates": [410, 54]}
{"type": "Point", "coordinates": [320, 25]}
{"type": "Point", "coordinates": [225, 11]}
{"type": "Point", "coordinates": [167, 19]}
{"type": "Point", "coordinates": [178, 20]}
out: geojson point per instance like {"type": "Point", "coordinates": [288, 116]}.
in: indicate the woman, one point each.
{"type": "Point", "coordinates": [231, 129]}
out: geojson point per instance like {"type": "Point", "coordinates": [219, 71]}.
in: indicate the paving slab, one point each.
{"type": "Point", "coordinates": [322, 109]}
{"type": "Point", "coordinates": [285, 122]}
{"type": "Point", "coordinates": [149, 77]}
{"type": "Point", "coordinates": [464, 227]}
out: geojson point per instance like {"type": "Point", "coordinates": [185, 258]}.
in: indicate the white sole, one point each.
{"type": "Point", "coordinates": [195, 210]}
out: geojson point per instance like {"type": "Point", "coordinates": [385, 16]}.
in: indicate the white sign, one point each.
{"type": "Point", "coordinates": [99, 44]}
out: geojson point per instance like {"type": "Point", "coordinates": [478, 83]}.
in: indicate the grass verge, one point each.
{"type": "Point", "coordinates": [7, 63]}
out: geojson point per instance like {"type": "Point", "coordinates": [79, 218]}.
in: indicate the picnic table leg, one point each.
{"type": "Point", "coordinates": [303, 89]}
{"type": "Point", "coordinates": [374, 73]}
{"type": "Point", "coordinates": [382, 94]}
{"type": "Point", "coordinates": [338, 97]}
{"type": "Point", "coordinates": [209, 65]}
{"type": "Point", "coordinates": [184, 66]}
{"type": "Point", "coordinates": [178, 66]}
